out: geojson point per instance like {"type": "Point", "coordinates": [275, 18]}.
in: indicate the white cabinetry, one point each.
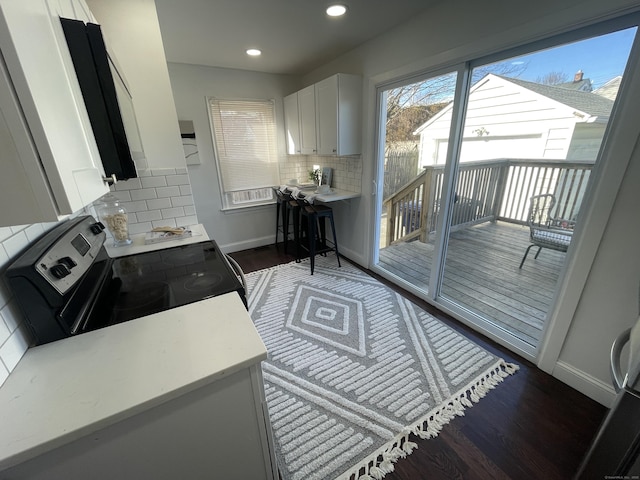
{"type": "Point", "coordinates": [324, 118]}
{"type": "Point", "coordinates": [338, 107]}
{"type": "Point", "coordinates": [292, 124]}
{"type": "Point", "coordinates": [51, 166]}
{"type": "Point", "coordinates": [217, 431]}
{"type": "Point", "coordinates": [307, 116]}
{"type": "Point", "coordinates": [177, 394]}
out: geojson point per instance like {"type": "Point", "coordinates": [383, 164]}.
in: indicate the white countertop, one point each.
{"type": "Point", "coordinates": [336, 196]}
{"type": "Point", "coordinates": [199, 234]}
{"type": "Point", "coordinates": [64, 390]}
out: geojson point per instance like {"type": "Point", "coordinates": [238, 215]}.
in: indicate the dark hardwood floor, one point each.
{"type": "Point", "coordinates": [531, 427]}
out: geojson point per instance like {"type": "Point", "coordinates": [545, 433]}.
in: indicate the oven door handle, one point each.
{"type": "Point", "coordinates": [236, 267]}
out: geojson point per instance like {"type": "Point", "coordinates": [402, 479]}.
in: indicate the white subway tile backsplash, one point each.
{"type": "Point", "coordinates": [137, 228]}
{"type": "Point", "coordinates": [149, 216]}
{"type": "Point", "coordinates": [144, 194]}
{"type": "Point", "coordinates": [185, 190]}
{"type": "Point", "coordinates": [150, 182]}
{"type": "Point", "coordinates": [33, 232]}
{"type": "Point", "coordinates": [131, 184]}
{"type": "Point", "coordinates": [173, 212]}
{"type": "Point", "coordinates": [347, 171]}
{"type": "Point", "coordinates": [168, 192]}
{"type": "Point", "coordinates": [16, 243]}
{"type": "Point", "coordinates": [11, 315]}
{"type": "Point", "coordinates": [14, 348]}
{"type": "Point", "coordinates": [161, 172]}
{"type": "Point", "coordinates": [177, 179]}
{"type": "Point", "coordinates": [186, 221]}
{"type": "Point", "coordinates": [190, 210]}
{"type": "Point", "coordinates": [140, 206]}
{"type": "Point", "coordinates": [5, 332]}
{"type": "Point", "coordinates": [159, 203]}
{"type": "Point", "coordinates": [182, 201]}
{"type": "Point", "coordinates": [122, 195]}
{"type": "Point", "coordinates": [168, 222]}
{"type": "Point", "coordinates": [5, 232]}
{"type": "Point", "coordinates": [4, 373]}
{"type": "Point", "coordinates": [4, 258]}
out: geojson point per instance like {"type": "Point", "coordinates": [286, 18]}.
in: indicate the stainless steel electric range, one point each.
{"type": "Point", "coordinates": [66, 284]}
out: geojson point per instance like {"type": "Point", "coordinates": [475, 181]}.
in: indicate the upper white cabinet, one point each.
{"type": "Point", "coordinates": [307, 117]}
{"type": "Point", "coordinates": [338, 109]}
{"type": "Point", "coordinates": [50, 166]}
{"type": "Point", "coordinates": [324, 118]}
{"type": "Point", "coordinates": [292, 124]}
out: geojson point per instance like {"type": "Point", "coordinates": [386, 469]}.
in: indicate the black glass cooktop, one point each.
{"type": "Point", "coordinates": [151, 282]}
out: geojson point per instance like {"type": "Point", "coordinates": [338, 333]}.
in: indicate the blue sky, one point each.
{"type": "Point", "coordinates": [601, 58]}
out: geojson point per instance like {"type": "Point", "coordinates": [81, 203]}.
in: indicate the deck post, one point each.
{"type": "Point", "coordinates": [390, 223]}
{"type": "Point", "coordinates": [500, 188]}
{"type": "Point", "coordinates": [426, 212]}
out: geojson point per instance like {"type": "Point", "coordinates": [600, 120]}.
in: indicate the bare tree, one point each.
{"type": "Point", "coordinates": [411, 105]}
{"type": "Point", "coordinates": [553, 78]}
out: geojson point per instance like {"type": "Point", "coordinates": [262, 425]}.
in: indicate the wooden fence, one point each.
{"type": "Point", "coordinates": [485, 191]}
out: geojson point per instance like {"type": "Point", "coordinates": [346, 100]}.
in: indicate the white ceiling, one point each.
{"type": "Point", "coordinates": [295, 36]}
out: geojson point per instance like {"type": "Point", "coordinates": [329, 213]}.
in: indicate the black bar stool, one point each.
{"type": "Point", "coordinates": [317, 243]}
{"type": "Point", "coordinates": [282, 210]}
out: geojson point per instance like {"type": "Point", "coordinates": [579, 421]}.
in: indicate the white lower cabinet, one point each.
{"type": "Point", "coordinates": [51, 166]}
{"type": "Point", "coordinates": [219, 430]}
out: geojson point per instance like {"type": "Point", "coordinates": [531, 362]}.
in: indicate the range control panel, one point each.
{"type": "Point", "coordinates": [69, 258]}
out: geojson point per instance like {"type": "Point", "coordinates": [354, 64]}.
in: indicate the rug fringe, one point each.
{"type": "Point", "coordinates": [377, 465]}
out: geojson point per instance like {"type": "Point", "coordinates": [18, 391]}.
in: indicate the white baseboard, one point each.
{"type": "Point", "coordinates": [590, 386]}
{"type": "Point", "coordinates": [353, 256]}
{"type": "Point", "coordinates": [246, 244]}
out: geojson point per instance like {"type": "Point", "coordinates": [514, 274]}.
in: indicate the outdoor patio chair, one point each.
{"type": "Point", "coordinates": [546, 231]}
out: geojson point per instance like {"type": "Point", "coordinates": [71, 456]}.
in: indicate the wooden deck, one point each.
{"type": "Point", "coordinates": [482, 274]}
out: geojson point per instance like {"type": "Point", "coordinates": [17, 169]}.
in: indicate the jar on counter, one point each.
{"type": "Point", "coordinates": [115, 218]}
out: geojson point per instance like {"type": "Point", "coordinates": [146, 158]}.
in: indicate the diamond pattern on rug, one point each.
{"type": "Point", "coordinates": [327, 317]}
{"type": "Point", "coordinates": [355, 369]}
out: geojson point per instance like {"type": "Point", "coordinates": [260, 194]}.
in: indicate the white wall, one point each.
{"type": "Point", "coordinates": [191, 85]}
{"type": "Point", "coordinates": [132, 31]}
{"type": "Point", "coordinates": [461, 30]}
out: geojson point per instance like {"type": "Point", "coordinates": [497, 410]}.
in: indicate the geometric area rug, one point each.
{"type": "Point", "coordinates": [355, 371]}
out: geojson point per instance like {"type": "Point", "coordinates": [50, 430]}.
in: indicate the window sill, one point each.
{"type": "Point", "coordinates": [245, 208]}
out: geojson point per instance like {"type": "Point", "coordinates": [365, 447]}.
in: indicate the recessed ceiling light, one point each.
{"type": "Point", "coordinates": [254, 52]}
{"type": "Point", "coordinates": [336, 10]}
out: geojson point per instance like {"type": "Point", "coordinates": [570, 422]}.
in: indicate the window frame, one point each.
{"type": "Point", "coordinates": [226, 195]}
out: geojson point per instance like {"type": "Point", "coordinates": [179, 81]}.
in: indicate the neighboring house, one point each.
{"type": "Point", "coordinates": [511, 118]}
{"type": "Point", "coordinates": [610, 89]}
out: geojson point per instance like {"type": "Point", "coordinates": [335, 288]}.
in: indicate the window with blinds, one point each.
{"type": "Point", "coordinates": [244, 134]}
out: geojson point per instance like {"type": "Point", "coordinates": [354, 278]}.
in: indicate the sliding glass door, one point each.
{"type": "Point", "coordinates": [471, 157]}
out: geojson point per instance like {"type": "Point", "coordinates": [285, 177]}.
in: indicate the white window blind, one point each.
{"type": "Point", "coordinates": [244, 133]}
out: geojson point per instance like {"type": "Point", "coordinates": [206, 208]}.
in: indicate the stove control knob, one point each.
{"type": "Point", "coordinates": [68, 262]}
{"type": "Point", "coordinates": [97, 227]}
{"type": "Point", "coordinates": [60, 270]}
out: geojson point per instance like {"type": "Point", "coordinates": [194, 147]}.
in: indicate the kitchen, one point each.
{"type": "Point", "coordinates": [178, 92]}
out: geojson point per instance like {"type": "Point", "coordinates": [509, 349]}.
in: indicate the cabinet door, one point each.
{"type": "Point", "coordinates": [52, 105]}
{"type": "Point", "coordinates": [292, 124]}
{"type": "Point", "coordinates": [327, 115]}
{"type": "Point", "coordinates": [307, 112]}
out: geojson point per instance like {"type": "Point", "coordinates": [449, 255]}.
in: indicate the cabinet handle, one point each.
{"type": "Point", "coordinates": [112, 180]}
